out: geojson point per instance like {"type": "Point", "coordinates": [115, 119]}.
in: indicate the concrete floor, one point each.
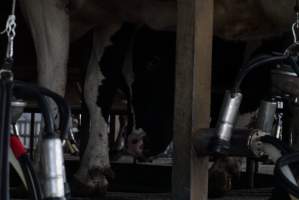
{"type": "Point", "coordinates": [164, 168]}
{"type": "Point", "coordinates": [262, 194]}
{"type": "Point", "coordinates": [256, 194]}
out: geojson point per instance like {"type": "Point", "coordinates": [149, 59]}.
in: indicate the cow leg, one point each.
{"type": "Point", "coordinates": [95, 166]}
{"type": "Point", "coordinates": [49, 24]}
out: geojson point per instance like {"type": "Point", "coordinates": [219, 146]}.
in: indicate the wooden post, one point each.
{"type": "Point", "coordinates": [192, 96]}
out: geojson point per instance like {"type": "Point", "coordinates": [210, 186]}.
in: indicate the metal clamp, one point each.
{"type": "Point", "coordinates": [6, 73]}
{"type": "Point", "coordinates": [295, 26]}
{"type": "Point", "coordinates": [293, 48]}
{"type": "Point", "coordinates": [255, 144]}
{"type": "Point", "coordinates": [10, 30]}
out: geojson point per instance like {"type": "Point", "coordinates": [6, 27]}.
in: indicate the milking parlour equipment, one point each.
{"type": "Point", "coordinates": [51, 182]}
{"type": "Point", "coordinates": [264, 141]}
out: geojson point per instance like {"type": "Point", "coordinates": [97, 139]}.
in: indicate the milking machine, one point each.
{"type": "Point", "coordinates": [52, 166]}
{"type": "Point", "coordinates": [51, 183]}
{"type": "Point", "coordinates": [260, 142]}
{"type": "Point", "coordinates": [233, 98]}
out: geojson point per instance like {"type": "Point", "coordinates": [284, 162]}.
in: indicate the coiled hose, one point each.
{"type": "Point", "coordinates": [289, 158]}
{"type": "Point", "coordinates": [261, 61]}
{"type": "Point", "coordinates": [283, 181]}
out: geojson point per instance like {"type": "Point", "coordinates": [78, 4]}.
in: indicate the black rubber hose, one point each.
{"type": "Point", "coordinates": [64, 111]}
{"type": "Point", "coordinates": [2, 121]}
{"type": "Point", "coordinates": [257, 62]}
{"type": "Point", "coordinates": [7, 132]}
{"type": "Point", "coordinates": [24, 91]}
{"type": "Point", "coordinates": [284, 182]}
{"type": "Point", "coordinates": [31, 178]}
{"type": "Point", "coordinates": [258, 59]}
{"type": "Point", "coordinates": [63, 107]}
{"type": "Point", "coordinates": [5, 99]}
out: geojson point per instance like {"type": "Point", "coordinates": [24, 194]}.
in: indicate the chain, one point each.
{"type": "Point", "coordinates": [295, 26]}
{"type": "Point", "coordinates": [10, 30]}
{"type": "Point", "coordinates": [10, 26]}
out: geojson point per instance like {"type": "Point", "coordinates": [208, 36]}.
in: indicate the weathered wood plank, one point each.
{"type": "Point", "coordinates": [192, 96]}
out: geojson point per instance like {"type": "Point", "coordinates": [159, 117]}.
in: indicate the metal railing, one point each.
{"type": "Point", "coordinates": [28, 128]}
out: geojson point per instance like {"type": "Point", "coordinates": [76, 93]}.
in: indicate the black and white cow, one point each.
{"type": "Point", "coordinates": [57, 22]}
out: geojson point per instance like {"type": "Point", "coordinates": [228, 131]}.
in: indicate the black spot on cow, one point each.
{"type": "Point", "coordinates": [111, 65]}
{"type": "Point", "coordinates": [153, 88]}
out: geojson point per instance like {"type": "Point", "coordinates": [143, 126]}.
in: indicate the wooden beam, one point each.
{"type": "Point", "coordinates": [192, 96]}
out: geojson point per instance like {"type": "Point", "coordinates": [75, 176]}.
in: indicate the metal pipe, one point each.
{"type": "Point", "coordinates": [203, 142]}
{"type": "Point", "coordinates": [226, 121]}
{"type": "Point", "coordinates": [32, 131]}
{"type": "Point", "coordinates": [266, 116]}
{"type": "Point", "coordinates": [52, 162]}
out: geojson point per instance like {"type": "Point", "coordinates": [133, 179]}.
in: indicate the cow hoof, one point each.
{"type": "Point", "coordinates": [220, 182]}
{"type": "Point", "coordinates": [221, 174]}
{"type": "Point", "coordinates": [89, 188]}
{"type": "Point", "coordinates": [95, 184]}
